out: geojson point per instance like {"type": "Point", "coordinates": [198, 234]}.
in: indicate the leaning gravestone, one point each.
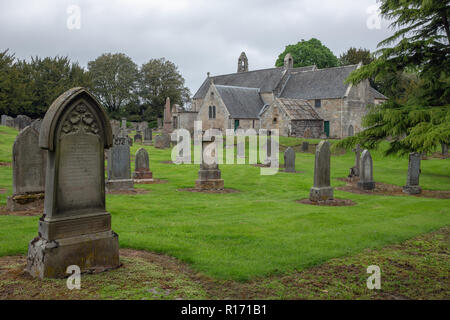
{"type": "Point", "coordinates": [162, 141]}
{"type": "Point", "coordinates": [366, 172]}
{"type": "Point", "coordinates": [289, 160]}
{"type": "Point", "coordinates": [209, 175]}
{"type": "Point", "coordinates": [119, 167]}
{"type": "Point", "coordinates": [412, 180]}
{"type": "Point", "coordinates": [142, 166]}
{"type": "Point", "coordinates": [305, 146]}
{"type": "Point", "coordinates": [75, 228]}
{"type": "Point", "coordinates": [147, 136]}
{"type": "Point", "coordinates": [28, 164]}
{"type": "Point", "coordinates": [322, 190]}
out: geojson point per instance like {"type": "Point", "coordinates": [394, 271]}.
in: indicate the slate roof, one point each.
{"type": "Point", "coordinates": [265, 79]}
{"type": "Point", "coordinates": [318, 84]}
{"type": "Point", "coordinates": [377, 94]}
{"type": "Point", "coordinates": [241, 102]}
{"type": "Point", "coordinates": [298, 109]}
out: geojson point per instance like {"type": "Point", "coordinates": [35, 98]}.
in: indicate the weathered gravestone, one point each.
{"type": "Point", "coordinates": [168, 126]}
{"type": "Point", "coordinates": [289, 160]}
{"type": "Point", "coordinates": [322, 190]}
{"type": "Point", "coordinates": [209, 175]}
{"type": "Point", "coordinates": [160, 123]}
{"type": "Point", "coordinates": [75, 228]}
{"type": "Point", "coordinates": [354, 171]}
{"type": "Point", "coordinates": [366, 172]}
{"type": "Point", "coordinates": [22, 121]}
{"type": "Point", "coordinates": [138, 137]}
{"type": "Point", "coordinates": [119, 166]}
{"type": "Point", "coordinates": [305, 146]}
{"type": "Point", "coordinates": [3, 120]}
{"type": "Point", "coordinates": [142, 166]}
{"type": "Point", "coordinates": [29, 165]}
{"type": "Point", "coordinates": [9, 122]}
{"type": "Point", "coordinates": [162, 141]}
{"type": "Point", "coordinates": [147, 136]}
{"type": "Point", "coordinates": [444, 148]}
{"type": "Point", "coordinates": [412, 180]}
{"type": "Point", "coordinates": [36, 125]}
{"type": "Point", "coordinates": [115, 127]}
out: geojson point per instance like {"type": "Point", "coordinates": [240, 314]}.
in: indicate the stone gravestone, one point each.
{"type": "Point", "coordinates": [289, 160]}
{"type": "Point", "coordinates": [22, 121]}
{"type": "Point", "coordinates": [209, 175]}
{"type": "Point", "coordinates": [322, 190]}
{"type": "Point", "coordinates": [28, 164]}
{"type": "Point", "coordinates": [444, 148]}
{"type": "Point", "coordinates": [115, 127]}
{"type": "Point", "coordinates": [9, 122]}
{"type": "Point", "coordinates": [147, 136]}
{"type": "Point", "coordinates": [36, 125]}
{"type": "Point", "coordinates": [142, 166]}
{"type": "Point", "coordinates": [412, 180]}
{"type": "Point", "coordinates": [138, 137]}
{"type": "Point", "coordinates": [3, 120]}
{"type": "Point", "coordinates": [119, 166]}
{"type": "Point", "coordinates": [354, 171]}
{"type": "Point", "coordinates": [160, 121]}
{"type": "Point", "coordinates": [366, 172]}
{"type": "Point", "coordinates": [305, 146]}
{"type": "Point", "coordinates": [162, 141]}
{"type": "Point", "coordinates": [75, 228]}
{"type": "Point", "coordinates": [168, 127]}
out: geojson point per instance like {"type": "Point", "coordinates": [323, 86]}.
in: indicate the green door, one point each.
{"type": "Point", "coordinates": [236, 124]}
{"type": "Point", "coordinates": [326, 127]}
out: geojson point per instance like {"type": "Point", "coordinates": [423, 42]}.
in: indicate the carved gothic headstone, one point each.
{"type": "Point", "coordinates": [75, 228]}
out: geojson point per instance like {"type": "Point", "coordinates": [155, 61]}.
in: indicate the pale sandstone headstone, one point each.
{"type": "Point", "coordinates": [28, 165]}
{"type": "Point", "coordinates": [142, 166]}
{"type": "Point", "coordinates": [322, 190]}
{"type": "Point", "coordinates": [75, 228]}
{"type": "Point", "coordinates": [366, 172]}
{"type": "Point", "coordinates": [289, 160]}
{"type": "Point", "coordinates": [412, 180]}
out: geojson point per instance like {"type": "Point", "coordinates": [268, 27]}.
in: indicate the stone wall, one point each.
{"type": "Point", "coordinates": [282, 121]}
{"type": "Point", "coordinates": [221, 121]}
{"type": "Point", "coordinates": [185, 120]}
{"type": "Point", "coordinates": [306, 128]}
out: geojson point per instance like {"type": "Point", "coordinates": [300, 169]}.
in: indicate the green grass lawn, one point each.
{"type": "Point", "coordinates": [261, 230]}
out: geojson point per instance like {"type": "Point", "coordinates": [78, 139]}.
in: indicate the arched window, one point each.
{"type": "Point", "coordinates": [275, 120]}
{"type": "Point", "coordinates": [212, 112]}
{"type": "Point", "coordinates": [350, 131]}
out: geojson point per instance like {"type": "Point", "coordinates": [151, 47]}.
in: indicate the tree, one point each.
{"type": "Point", "coordinates": [114, 81]}
{"type": "Point", "coordinates": [420, 45]}
{"type": "Point", "coordinates": [159, 79]}
{"type": "Point", "coordinates": [307, 53]}
{"type": "Point", "coordinates": [354, 56]}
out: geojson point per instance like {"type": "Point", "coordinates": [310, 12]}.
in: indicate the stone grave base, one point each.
{"type": "Point", "coordinates": [329, 202]}
{"type": "Point", "coordinates": [225, 190]}
{"type": "Point", "coordinates": [25, 201]}
{"type": "Point", "coordinates": [370, 185]}
{"type": "Point", "coordinates": [211, 184]}
{"type": "Point", "coordinates": [119, 185]}
{"type": "Point", "coordinates": [149, 181]}
{"type": "Point", "coordinates": [91, 252]}
{"type": "Point", "coordinates": [148, 143]}
{"type": "Point", "coordinates": [144, 174]}
{"type": "Point", "coordinates": [321, 194]}
{"type": "Point", "coordinates": [412, 189]}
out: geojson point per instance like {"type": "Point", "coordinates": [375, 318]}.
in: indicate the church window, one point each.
{"type": "Point", "coordinates": [317, 103]}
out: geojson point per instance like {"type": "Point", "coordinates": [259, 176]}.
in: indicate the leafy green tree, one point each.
{"type": "Point", "coordinates": [307, 53]}
{"type": "Point", "coordinates": [114, 81]}
{"type": "Point", "coordinates": [420, 45]}
{"type": "Point", "coordinates": [159, 79]}
{"type": "Point", "coordinates": [355, 56]}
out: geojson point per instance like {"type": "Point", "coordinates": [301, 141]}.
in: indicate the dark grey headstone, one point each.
{"type": "Point", "coordinates": [75, 228]}
{"type": "Point", "coordinates": [289, 160]}
{"type": "Point", "coordinates": [3, 120]}
{"type": "Point", "coordinates": [322, 189]}
{"type": "Point", "coordinates": [444, 148]}
{"type": "Point", "coordinates": [305, 146]}
{"type": "Point", "coordinates": [147, 134]}
{"type": "Point", "coordinates": [142, 165]}
{"type": "Point", "coordinates": [138, 137]}
{"type": "Point", "coordinates": [366, 171]}
{"type": "Point", "coordinates": [412, 179]}
{"type": "Point", "coordinates": [119, 166]}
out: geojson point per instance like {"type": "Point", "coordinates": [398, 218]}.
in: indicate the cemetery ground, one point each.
{"type": "Point", "coordinates": [258, 243]}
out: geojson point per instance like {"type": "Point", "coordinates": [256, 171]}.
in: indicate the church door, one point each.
{"type": "Point", "coordinates": [326, 128]}
{"type": "Point", "coordinates": [236, 124]}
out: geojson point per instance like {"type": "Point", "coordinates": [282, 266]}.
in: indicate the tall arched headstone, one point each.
{"type": "Point", "coordinates": [28, 164]}
{"type": "Point", "coordinates": [412, 180]}
{"type": "Point", "coordinates": [75, 228]}
{"type": "Point", "coordinates": [366, 172]}
{"type": "Point", "coordinates": [322, 190]}
{"type": "Point", "coordinates": [142, 166]}
{"type": "Point", "coordinates": [289, 160]}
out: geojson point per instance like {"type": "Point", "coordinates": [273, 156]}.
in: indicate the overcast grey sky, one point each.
{"type": "Point", "coordinates": [197, 35]}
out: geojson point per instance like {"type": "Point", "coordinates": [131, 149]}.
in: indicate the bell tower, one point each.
{"type": "Point", "coordinates": [242, 63]}
{"type": "Point", "coordinates": [288, 61]}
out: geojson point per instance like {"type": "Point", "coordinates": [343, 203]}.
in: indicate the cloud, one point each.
{"type": "Point", "coordinates": [199, 36]}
